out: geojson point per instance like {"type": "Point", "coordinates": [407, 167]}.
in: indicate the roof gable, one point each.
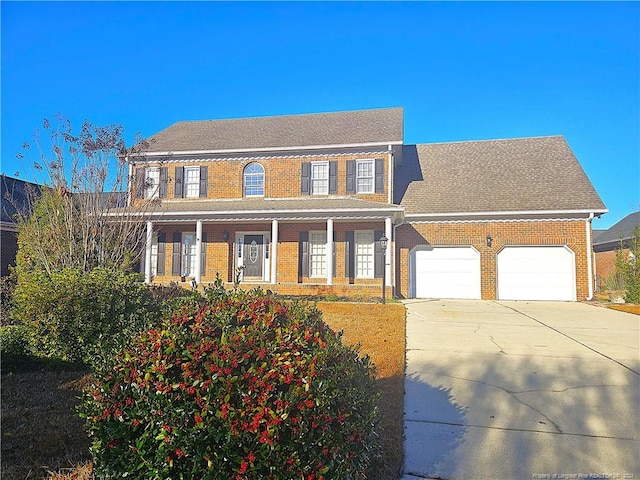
{"type": "Point", "coordinates": [383, 125]}
{"type": "Point", "coordinates": [512, 175]}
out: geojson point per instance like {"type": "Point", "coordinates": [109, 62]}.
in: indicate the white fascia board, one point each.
{"type": "Point", "coordinates": [521, 213]}
{"type": "Point", "coordinates": [265, 149]}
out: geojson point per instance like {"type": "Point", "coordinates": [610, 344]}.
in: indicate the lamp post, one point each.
{"type": "Point", "coordinates": [383, 245]}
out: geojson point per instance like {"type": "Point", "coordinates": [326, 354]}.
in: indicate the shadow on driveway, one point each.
{"type": "Point", "coordinates": [491, 394]}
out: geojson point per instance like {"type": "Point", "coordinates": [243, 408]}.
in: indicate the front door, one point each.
{"type": "Point", "coordinates": [253, 251]}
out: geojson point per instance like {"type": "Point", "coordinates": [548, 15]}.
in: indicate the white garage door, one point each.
{"type": "Point", "coordinates": [447, 272]}
{"type": "Point", "coordinates": [536, 273]}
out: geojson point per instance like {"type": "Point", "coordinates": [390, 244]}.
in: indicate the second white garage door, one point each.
{"type": "Point", "coordinates": [447, 272]}
{"type": "Point", "coordinates": [536, 273]}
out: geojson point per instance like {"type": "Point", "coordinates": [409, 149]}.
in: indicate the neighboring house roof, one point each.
{"type": "Point", "coordinates": [512, 175]}
{"type": "Point", "coordinates": [359, 127]}
{"type": "Point", "coordinates": [15, 198]}
{"type": "Point", "coordinates": [621, 231]}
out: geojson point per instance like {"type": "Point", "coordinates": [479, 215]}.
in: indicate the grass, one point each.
{"type": "Point", "coordinates": [43, 438]}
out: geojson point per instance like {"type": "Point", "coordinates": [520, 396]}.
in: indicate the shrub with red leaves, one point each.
{"type": "Point", "coordinates": [246, 386]}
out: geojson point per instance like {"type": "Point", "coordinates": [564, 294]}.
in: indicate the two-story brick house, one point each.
{"type": "Point", "coordinates": [298, 204]}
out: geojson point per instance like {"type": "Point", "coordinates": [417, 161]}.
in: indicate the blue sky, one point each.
{"type": "Point", "coordinates": [462, 71]}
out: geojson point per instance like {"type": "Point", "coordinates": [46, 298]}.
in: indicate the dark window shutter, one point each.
{"type": "Point", "coordinates": [203, 258]}
{"type": "Point", "coordinates": [138, 185]}
{"type": "Point", "coordinates": [203, 181]}
{"type": "Point", "coordinates": [349, 255]}
{"type": "Point", "coordinates": [305, 180]}
{"type": "Point", "coordinates": [379, 175]}
{"type": "Point", "coordinates": [164, 180]}
{"type": "Point", "coordinates": [175, 258]}
{"type": "Point", "coordinates": [378, 265]}
{"type": "Point", "coordinates": [333, 177]}
{"type": "Point", "coordinates": [351, 176]}
{"type": "Point", "coordinates": [162, 239]}
{"type": "Point", "coordinates": [179, 182]}
{"type": "Point", "coordinates": [303, 256]}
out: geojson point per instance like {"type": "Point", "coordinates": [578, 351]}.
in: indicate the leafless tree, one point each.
{"type": "Point", "coordinates": [81, 217]}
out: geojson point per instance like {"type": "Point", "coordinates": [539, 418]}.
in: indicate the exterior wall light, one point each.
{"type": "Point", "coordinates": [489, 240]}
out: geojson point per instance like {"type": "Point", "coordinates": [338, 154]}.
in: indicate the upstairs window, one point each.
{"type": "Point", "coordinates": [364, 176]}
{"type": "Point", "coordinates": [319, 178]}
{"type": "Point", "coordinates": [253, 181]}
{"type": "Point", "coordinates": [191, 182]}
{"type": "Point", "coordinates": [152, 182]}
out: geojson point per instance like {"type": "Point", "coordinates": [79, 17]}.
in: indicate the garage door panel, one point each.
{"type": "Point", "coordinates": [536, 273]}
{"type": "Point", "coordinates": [447, 272]}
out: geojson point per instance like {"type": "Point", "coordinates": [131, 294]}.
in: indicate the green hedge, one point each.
{"type": "Point", "coordinates": [82, 317]}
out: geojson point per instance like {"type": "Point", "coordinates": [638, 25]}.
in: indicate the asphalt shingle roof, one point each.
{"type": "Point", "coordinates": [525, 174]}
{"type": "Point", "coordinates": [16, 197]}
{"type": "Point", "coordinates": [623, 230]}
{"type": "Point", "coordinates": [286, 131]}
{"type": "Point", "coordinates": [272, 208]}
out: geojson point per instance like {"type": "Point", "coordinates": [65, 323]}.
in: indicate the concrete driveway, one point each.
{"type": "Point", "coordinates": [521, 390]}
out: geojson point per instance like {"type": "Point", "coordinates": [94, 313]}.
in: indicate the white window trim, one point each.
{"type": "Point", "coordinates": [322, 242]}
{"type": "Point", "coordinates": [371, 245]}
{"type": "Point", "coordinates": [152, 186]}
{"type": "Point", "coordinates": [372, 177]}
{"type": "Point", "coordinates": [325, 179]}
{"type": "Point", "coordinates": [187, 183]}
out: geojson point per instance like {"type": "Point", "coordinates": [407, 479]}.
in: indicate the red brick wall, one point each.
{"type": "Point", "coordinates": [569, 233]}
{"type": "Point", "coordinates": [282, 176]}
{"type": "Point", "coordinates": [220, 255]}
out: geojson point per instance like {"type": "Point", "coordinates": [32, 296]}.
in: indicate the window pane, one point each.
{"type": "Point", "coordinates": [192, 182]}
{"type": "Point", "coordinates": [152, 183]}
{"type": "Point", "coordinates": [364, 176]}
{"type": "Point", "coordinates": [364, 254]}
{"type": "Point", "coordinates": [154, 255]}
{"type": "Point", "coordinates": [320, 178]}
{"type": "Point", "coordinates": [189, 257]}
{"type": "Point", "coordinates": [318, 254]}
{"type": "Point", "coordinates": [254, 180]}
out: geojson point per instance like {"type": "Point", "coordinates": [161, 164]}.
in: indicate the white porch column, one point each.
{"type": "Point", "coordinates": [330, 251]}
{"type": "Point", "coordinates": [274, 251]}
{"type": "Point", "coordinates": [198, 273]}
{"type": "Point", "coordinates": [388, 233]}
{"type": "Point", "coordinates": [147, 253]}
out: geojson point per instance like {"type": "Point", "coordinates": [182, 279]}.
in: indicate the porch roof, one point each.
{"type": "Point", "coordinates": [263, 209]}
